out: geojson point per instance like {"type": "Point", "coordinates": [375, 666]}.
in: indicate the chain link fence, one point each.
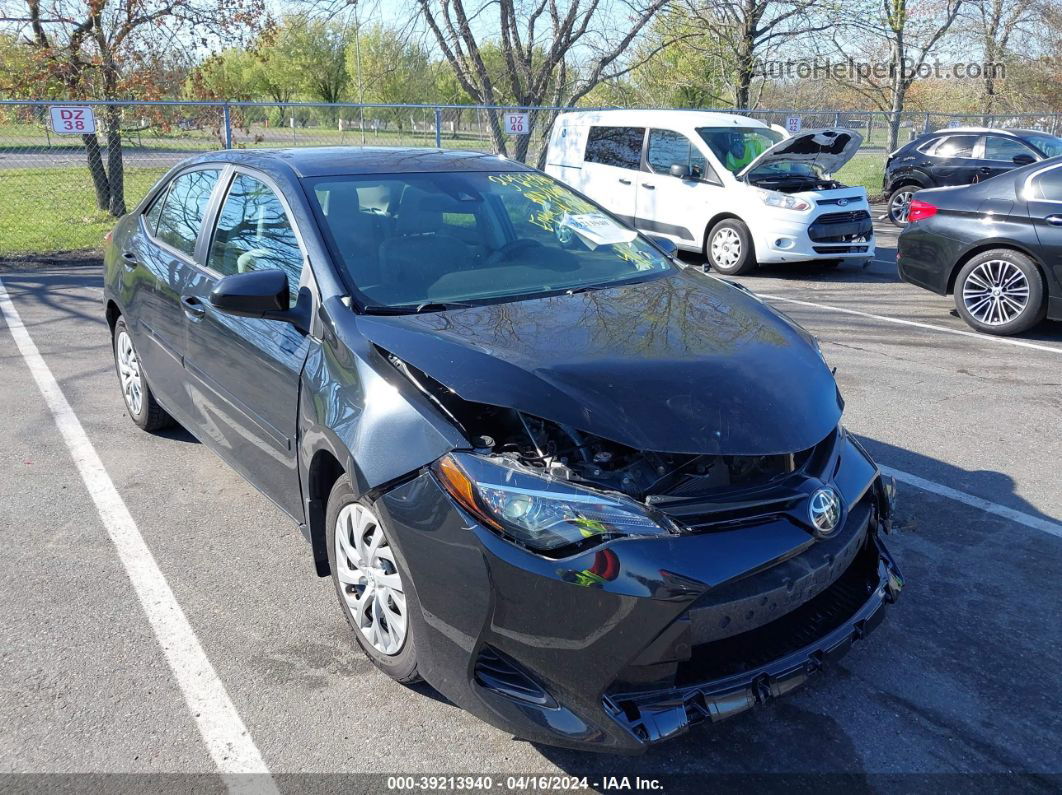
{"type": "Point", "coordinates": [62, 192]}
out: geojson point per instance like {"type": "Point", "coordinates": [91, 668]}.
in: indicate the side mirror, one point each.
{"type": "Point", "coordinates": [679, 170]}
{"type": "Point", "coordinates": [261, 294]}
{"type": "Point", "coordinates": [1023, 160]}
{"type": "Point", "coordinates": [665, 245]}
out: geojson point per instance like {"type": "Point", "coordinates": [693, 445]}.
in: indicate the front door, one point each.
{"type": "Point", "coordinates": [676, 207]}
{"type": "Point", "coordinates": [243, 373]}
{"type": "Point", "coordinates": [999, 154]}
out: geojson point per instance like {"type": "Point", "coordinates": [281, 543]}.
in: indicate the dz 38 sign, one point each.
{"type": "Point", "coordinates": [68, 120]}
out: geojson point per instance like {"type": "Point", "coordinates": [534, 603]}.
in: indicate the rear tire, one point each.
{"type": "Point", "coordinates": [140, 401]}
{"type": "Point", "coordinates": [900, 203]}
{"type": "Point", "coordinates": [1000, 292]}
{"type": "Point", "coordinates": [729, 249]}
{"type": "Point", "coordinates": [372, 589]}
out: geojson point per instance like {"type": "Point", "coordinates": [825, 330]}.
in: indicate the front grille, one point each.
{"type": "Point", "coordinates": [843, 218]}
{"type": "Point", "coordinates": [790, 633]}
{"type": "Point", "coordinates": [841, 249]}
{"type": "Point", "coordinates": [838, 200]}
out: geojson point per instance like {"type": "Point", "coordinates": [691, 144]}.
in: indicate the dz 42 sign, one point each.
{"type": "Point", "coordinates": [73, 121]}
{"type": "Point", "coordinates": [516, 124]}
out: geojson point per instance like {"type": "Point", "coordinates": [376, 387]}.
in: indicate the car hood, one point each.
{"type": "Point", "coordinates": [686, 363]}
{"type": "Point", "coordinates": [828, 148]}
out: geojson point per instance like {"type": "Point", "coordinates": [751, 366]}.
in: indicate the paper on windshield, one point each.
{"type": "Point", "coordinates": [595, 229]}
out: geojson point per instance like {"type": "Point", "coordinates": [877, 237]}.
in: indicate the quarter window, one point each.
{"type": "Point", "coordinates": [1006, 149]}
{"type": "Point", "coordinates": [956, 146]}
{"type": "Point", "coordinates": [667, 148]}
{"type": "Point", "coordinates": [253, 234]}
{"type": "Point", "coordinates": [151, 217]}
{"type": "Point", "coordinates": [615, 146]}
{"type": "Point", "coordinates": [181, 216]}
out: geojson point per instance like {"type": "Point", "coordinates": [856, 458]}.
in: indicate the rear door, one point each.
{"type": "Point", "coordinates": [164, 259]}
{"type": "Point", "coordinates": [676, 207]}
{"type": "Point", "coordinates": [1043, 192]}
{"type": "Point", "coordinates": [243, 373]}
{"type": "Point", "coordinates": [954, 160]}
{"type": "Point", "coordinates": [611, 164]}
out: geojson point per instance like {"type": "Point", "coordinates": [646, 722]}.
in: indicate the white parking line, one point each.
{"type": "Point", "coordinates": [230, 744]}
{"type": "Point", "coordinates": [1035, 522]}
{"type": "Point", "coordinates": [916, 324]}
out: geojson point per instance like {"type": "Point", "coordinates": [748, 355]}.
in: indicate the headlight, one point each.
{"type": "Point", "coordinates": [539, 512]}
{"type": "Point", "coordinates": [784, 200]}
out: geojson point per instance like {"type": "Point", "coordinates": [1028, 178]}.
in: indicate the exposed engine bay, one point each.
{"type": "Point", "coordinates": [564, 452]}
{"type": "Point", "coordinates": [792, 183]}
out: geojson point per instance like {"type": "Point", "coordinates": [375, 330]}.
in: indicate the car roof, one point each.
{"type": "Point", "coordinates": [658, 118]}
{"type": "Point", "coordinates": [323, 161]}
{"type": "Point", "coordinates": [1016, 132]}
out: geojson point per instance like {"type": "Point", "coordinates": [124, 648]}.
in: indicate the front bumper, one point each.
{"type": "Point", "coordinates": [823, 235]}
{"type": "Point", "coordinates": [631, 642]}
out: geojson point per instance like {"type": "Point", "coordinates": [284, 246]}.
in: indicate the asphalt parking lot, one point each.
{"type": "Point", "coordinates": [962, 678]}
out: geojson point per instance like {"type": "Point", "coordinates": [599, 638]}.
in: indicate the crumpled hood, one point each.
{"type": "Point", "coordinates": [680, 364]}
{"type": "Point", "coordinates": [828, 148]}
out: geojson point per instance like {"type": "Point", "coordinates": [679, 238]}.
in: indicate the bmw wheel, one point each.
{"type": "Point", "coordinates": [140, 401]}
{"type": "Point", "coordinates": [370, 584]}
{"type": "Point", "coordinates": [1000, 292]}
{"type": "Point", "coordinates": [729, 248]}
{"type": "Point", "coordinates": [900, 204]}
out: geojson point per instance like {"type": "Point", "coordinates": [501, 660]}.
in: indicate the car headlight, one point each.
{"type": "Point", "coordinates": [784, 201]}
{"type": "Point", "coordinates": [536, 511]}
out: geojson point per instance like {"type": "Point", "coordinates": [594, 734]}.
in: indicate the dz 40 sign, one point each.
{"type": "Point", "coordinates": [67, 120]}
{"type": "Point", "coordinates": [516, 124]}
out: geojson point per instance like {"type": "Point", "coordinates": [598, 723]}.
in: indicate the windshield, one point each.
{"type": "Point", "coordinates": [1048, 144]}
{"type": "Point", "coordinates": [736, 147]}
{"type": "Point", "coordinates": [413, 241]}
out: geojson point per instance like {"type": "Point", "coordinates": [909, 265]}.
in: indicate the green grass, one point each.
{"type": "Point", "coordinates": [866, 169]}
{"type": "Point", "coordinates": [44, 210]}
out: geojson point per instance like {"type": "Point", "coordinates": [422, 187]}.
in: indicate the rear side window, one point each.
{"type": "Point", "coordinates": [666, 148]}
{"type": "Point", "coordinates": [1000, 148]}
{"type": "Point", "coordinates": [182, 214]}
{"type": "Point", "coordinates": [955, 146]}
{"type": "Point", "coordinates": [253, 234]}
{"type": "Point", "coordinates": [615, 146]}
{"type": "Point", "coordinates": [1048, 185]}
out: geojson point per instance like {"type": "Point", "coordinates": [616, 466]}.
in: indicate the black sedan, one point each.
{"type": "Point", "coordinates": [589, 494]}
{"type": "Point", "coordinates": [959, 156]}
{"type": "Point", "coordinates": [996, 245]}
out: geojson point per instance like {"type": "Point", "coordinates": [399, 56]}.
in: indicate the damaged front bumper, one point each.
{"type": "Point", "coordinates": [631, 642]}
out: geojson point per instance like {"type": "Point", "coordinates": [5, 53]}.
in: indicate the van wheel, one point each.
{"type": "Point", "coordinates": [1000, 292]}
{"type": "Point", "coordinates": [729, 248]}
{"type": "Point", "coordinates": [140, 401]}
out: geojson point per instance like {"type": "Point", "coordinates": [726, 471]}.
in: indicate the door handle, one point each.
{"type": "Point", "coordinates": [1054, 220]}
{"type": "Point", "coordinates": [193, 307]}
{"type": "Point", "coordinates": [984, 169]}
{"type": "Point", "coordinates": [129, 260]}
{"type": "Point", "coordinates": [647, 185]}
{"type": "Point", "coordinates": [624, 181]}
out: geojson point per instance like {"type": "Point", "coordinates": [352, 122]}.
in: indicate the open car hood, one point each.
{"type": "Point", "coordinates": [828, 148]}
{"type": "Point", "coordinates": [680, 364]}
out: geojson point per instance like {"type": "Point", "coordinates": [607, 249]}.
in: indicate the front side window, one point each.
{"type": "Point", "coordinates": [253, 233]}
{"type": "Point", "coordinates": [1050, 145]}
{"type": "Point", "coordinates": [474, 237]}
{"type": "Point", "coordinates": [615, 146]}
{"type": "Point", "coordinates": [1006, 149]}
{"type": "Point", "coordinates": [736, 147]}
{"type": "Point", "coordinates": [956, 146]}
{"type": "Point", "coordinates": [185, 205]}
{"type": "Point", "coordinates": [667, 148]}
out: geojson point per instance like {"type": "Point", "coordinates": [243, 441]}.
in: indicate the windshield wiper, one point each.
{"type": "Point", "coordinates": [414, 309]}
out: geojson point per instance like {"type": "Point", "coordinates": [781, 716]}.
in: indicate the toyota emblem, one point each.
{"type": "Point", "coordinates": [824, 509]}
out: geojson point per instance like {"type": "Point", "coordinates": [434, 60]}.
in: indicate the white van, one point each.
{"type": "Point", "coordinates": [736, 189]}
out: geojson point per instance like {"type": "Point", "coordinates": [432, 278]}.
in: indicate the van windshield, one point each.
{"type": "Point", "coordinates": [736, 147]}
{"type": "Point", "coordinates": [412, 242]}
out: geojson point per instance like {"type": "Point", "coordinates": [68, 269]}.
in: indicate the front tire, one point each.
{"type": "Point", "coordinates": [370, 585]}
{"type": "Point", "coordinates": [1000, 292]}
{"type": "Point", "coordinates": [729, 248]}
{"type": "Point", "coordinates": [140, 401]}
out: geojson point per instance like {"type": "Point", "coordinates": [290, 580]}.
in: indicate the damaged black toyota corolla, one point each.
{"type": "Point", "coordinates": [589, 494]}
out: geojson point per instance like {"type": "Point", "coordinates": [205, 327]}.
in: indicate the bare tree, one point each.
{"type": "Point", "coordinates": [752, 28]}
{"type": "Point", "coordinates": [104, 49]}
{"type": "Point", "coordinates": [537, 40]}
{"type": "Point", "coordinates": [995, 22]}
{"type": "Point", "coordinates": [906, 32]}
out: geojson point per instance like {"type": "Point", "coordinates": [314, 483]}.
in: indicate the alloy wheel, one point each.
{"type": "Point", "coordinates": [726, 248]}
{"type": "Point", "coordinates": [129, 372]}
{"type": "Point", "coordinates": [372, 588]}
{"type": "Point", "coordinates": [900, 205]}
{"type": "Point", "coordinates": [996, 292]}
